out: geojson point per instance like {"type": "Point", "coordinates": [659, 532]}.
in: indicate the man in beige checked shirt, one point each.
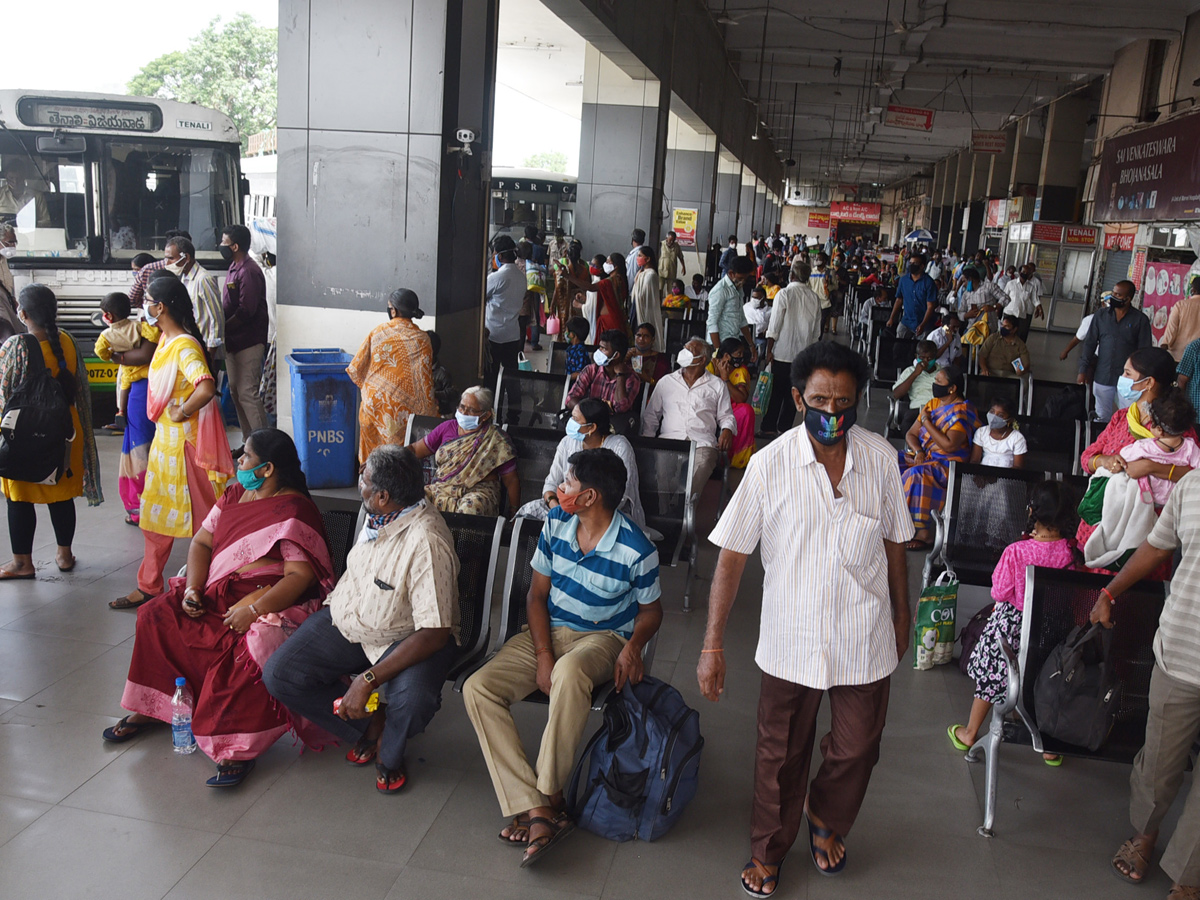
{"type": "Point", "coordinates": [827, 505]}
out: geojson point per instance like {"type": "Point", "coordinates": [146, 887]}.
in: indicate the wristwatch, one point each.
{"type": "Point", "coordinates": [369, 677]}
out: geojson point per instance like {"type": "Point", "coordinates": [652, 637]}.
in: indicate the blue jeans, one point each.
{"type": "Point", "coordinates": [305, 675]}
{"type": "Point", "coordinates": [1106, 400]}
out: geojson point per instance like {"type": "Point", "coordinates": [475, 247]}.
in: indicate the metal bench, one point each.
{"type": "Point", "coordinates": [1039, 391]}
{"type": "Point", "coordinates": [664, 478]}
{"type": "Point", "coordinates": [982, 389]}
{"type": "Point", "coordinates": [556, 362]}
{"type": "Point", "coordinates": [1053, 443]}
{"type": "Point", "coordinates": [892, 356]}
{"type": "Point", "coordinates": [678, 332]}
{"type": "Point", "coordinates": [530, 399]}
{"type": "Point", "coordinates": [417, 428]}
{"type": "Point", "coordinates": [1056, 600]}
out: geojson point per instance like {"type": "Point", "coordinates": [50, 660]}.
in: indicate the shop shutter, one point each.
{"type": "Point", "coordinates": [1116, 268]}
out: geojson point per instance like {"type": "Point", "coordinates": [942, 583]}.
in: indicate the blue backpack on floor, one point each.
{"type": "Point", "coordinates": [640, 769]}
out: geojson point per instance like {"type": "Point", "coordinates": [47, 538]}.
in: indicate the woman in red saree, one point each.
{"type": "Point", "coordinates": [257, 568]}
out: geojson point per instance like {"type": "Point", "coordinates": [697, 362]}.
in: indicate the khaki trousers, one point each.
{"type": "Point", "coordinates": [1171, 728]}
{"type": "Point", "coordinates": [706, 463]}
{"type": "Point", "coordinates": [245, 375]}
{"type": "Point", "coordinates": [582, 660]}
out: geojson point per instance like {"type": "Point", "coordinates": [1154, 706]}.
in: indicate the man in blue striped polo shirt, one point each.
{"type": "Point", "coordinates": [592, 606]}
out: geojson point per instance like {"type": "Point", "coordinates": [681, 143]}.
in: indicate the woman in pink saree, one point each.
{"type": "Point", "coordinates": [257, 568]}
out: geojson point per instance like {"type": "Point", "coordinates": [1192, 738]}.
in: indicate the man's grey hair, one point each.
{"type": "Point", "coordinates": [396, 471]}
{"type": "Point", "coordinates": [702, 344]}
{"type": "Point", "coordinates": [183, 245]}
{"type": "Point", "coordinates": [483, 397]}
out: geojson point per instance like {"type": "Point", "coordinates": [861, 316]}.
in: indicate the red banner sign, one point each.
{"type": "Point", "coordinates": [855, 212]}
{"type": "Point", "coordinates": [1148, 175]}
{"type": "Point", "coordinates": [818, 220]}
{"type": "Point", "coordinates": [1049, 233]}
{"type": "Point", "coordinates": [989, 141]}
{"type": "Point", "coordinates": [1137, 268]}
{"type": "Point", "coordinates": [1118, 241]}
{"type": "Point", "coordinates": [1080, 234]}
{"type": "Point", "coordinates": [913, 117]}
{"type": "Point", "coordinates": [1166, 285]}
{"type": "Point", "coordinates": [996, 210]}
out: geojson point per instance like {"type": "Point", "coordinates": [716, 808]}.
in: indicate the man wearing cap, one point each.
{"type": "Point", "coordinates": [393, 370]}
{"type": "Point", "coordinates": [692, 404]}
{"type": "Point", "coordinates": [504, 296]}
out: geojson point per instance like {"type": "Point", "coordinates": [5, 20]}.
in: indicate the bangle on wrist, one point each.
{"type": "Point", "coordinates": [254, 610]}
{"type": "Point", "coordinates": [714, 650]}
{"type": "Point", "coordinates": [1104, 593]}
{"type": "Point", "coordinates": [543, 649]}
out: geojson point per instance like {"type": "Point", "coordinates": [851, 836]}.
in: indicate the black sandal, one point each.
{"type": "Point", "coordinates": [231, 774]}
{"type": "Point", "coordinates": [560, 826]}
{"type": "Point", "coordinates": [131, 729]}
{"type": "Point", "coordinates": [520, 822]}
{"type": "Point", "coordinates": [126, 603]}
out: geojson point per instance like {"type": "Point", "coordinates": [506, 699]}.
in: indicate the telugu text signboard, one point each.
{"type": "Point", "coordinates": [818, 220]}
{"type": "Point", "coordinates": [911, 117]}
{"type": "Point", "coordinates": [868, 213]}
{"type": "Point", "coordinates": [1151, 175]}
{"type": "Point", "coordinates": [989, 141]}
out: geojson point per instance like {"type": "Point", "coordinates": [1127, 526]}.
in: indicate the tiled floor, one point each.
{"type": "Point", "coordinates": [81, 818]}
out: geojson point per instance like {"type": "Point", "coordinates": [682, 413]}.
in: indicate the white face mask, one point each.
{"type": "Point", "coordinates": [609, 268]}
{"type": "Point", "coordinates": [686, 359]}
{"type": "Point", "coordinates": [176, 268]}
{"type": "Point", "coordinates": [8, 252]}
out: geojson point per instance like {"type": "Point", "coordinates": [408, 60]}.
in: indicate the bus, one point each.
{"type": "Point", "coordinates": [523, 197]}
{"type": "Point", "coordinates": [91, 180]}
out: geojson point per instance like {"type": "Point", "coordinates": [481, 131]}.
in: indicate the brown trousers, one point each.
{"type": "Point", "coordinates": [787, 722]}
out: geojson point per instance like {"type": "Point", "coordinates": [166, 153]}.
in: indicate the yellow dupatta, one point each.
{"type": "Point", "coordinates": [1133, 418]}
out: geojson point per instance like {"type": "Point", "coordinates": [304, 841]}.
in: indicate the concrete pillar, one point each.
{"type": "Point", "coordinates": [1001, 166]}
{"type": "Point", "coordinates": [729, 187]}
{"type": "Point", "coordinates": [745, 217]}
{"type": "Point", "coordinates": [617, 146]}
{"type": "Point", "coordinates": [960, 197]}
{"type": "Point", "coordinates": [1027, 156]}
{"type": "Point", "coordinates": [369, 169]}
{"type": "Point", "coordinates": [760, 208]}
{"type": "Point", "coordinates": [1060, 176]}
{"type": "Point", "coordinates": [688, 183]}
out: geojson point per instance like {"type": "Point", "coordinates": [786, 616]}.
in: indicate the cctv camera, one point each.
{"type": "Point", "coordinates": [466, 135]}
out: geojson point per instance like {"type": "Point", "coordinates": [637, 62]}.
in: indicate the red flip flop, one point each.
{"type": "Point", "coordinates": [389, 781]}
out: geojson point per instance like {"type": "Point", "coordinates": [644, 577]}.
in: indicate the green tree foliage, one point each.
{"type": "Point", "coordinates": [551, 161]}
{"type": "Point", "coordinates": [230, 66]}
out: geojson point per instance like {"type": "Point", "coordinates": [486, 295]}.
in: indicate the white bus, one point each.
{"type": "Point", "coordinates": [91, 180]}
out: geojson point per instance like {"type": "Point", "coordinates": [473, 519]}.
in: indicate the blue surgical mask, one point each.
{"type": "Point", "coordinates": [247, 479]}
{"type": "Point", "coordinates": [1126, 392]}
{"type": "Point", "coordinates": [574, 430]}
{"type": "Point", "coordinates": [465, 422]}
{"type": "Point", "coordinates": [153, 320]}
{"type": "Point", "coordinates": [599, 358]}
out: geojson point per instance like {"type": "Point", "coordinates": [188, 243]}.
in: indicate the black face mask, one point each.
{"type": "Point", "coordinates": [226, 252]}
{"type": "Point", "coordinates": [941, 390]}
{"type": "Point", "coordinates": [1005, 332]}
{"type": "Point", "coordinates": [1117, 304]}
{"type": "Point", "coordinates": [829, 428]}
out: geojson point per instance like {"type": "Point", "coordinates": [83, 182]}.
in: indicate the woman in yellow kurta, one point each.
{"type": "Point", "coordinates": [189, 458]}
{"type": "Point", "coordinates": [38, 309]}
{"type": "Point", "coordinates": [394, 373]}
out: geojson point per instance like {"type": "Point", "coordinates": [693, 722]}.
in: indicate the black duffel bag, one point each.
{"type": "Point", "coordinates": [1077, 691]}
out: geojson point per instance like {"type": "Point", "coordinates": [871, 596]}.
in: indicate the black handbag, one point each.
{"type": "Point", "coordinates": [1077, 692]}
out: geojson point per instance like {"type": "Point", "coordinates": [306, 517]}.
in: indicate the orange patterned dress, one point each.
{"type": "Point", "coordinates": [394, 373]}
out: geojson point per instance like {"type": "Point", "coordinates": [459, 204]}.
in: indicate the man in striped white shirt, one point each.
{"type": "Point", "coordinates": [592, 606]}
{"type": "Point", "coordinates": [827, 505]}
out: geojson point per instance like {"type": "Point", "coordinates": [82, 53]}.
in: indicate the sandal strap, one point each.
{"type": "Point", "coordinates": [1184, 892]}
{"type": "Point", "coordinates": [761, 868]}
{"type": "Point", "coordinates": [1129, 854]}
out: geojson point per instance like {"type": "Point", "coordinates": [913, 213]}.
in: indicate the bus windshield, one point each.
{"type": "Point", "coordinates": [138, 189]}
{"type": "Point", "coordinates": [44, 198]}
{"type": "Point", "coordinates": [150, 188]}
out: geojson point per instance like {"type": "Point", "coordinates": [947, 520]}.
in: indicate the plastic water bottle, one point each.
{"type": "Point", "coordinates": [181, 718]}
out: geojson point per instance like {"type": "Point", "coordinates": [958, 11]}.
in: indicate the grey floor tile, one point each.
{"type": "Point", "coordinates": [94, 687]}
{"type": "Point", "coordinates": [20, 598]}
{"type": "Point", "coordinates": [73, 853]}
{"type": "Point", "coordinates": [47, 753]}
{"type": "Point", "coordinates": [82, 616]}
{"type": "Point", "coordinates": [33, 662]}
{"type": "Point", "coordinates": [1028, 871]}
{"type": "Point", "coordinates": [349, 807]}
{"type": "Point", "coordinates": [462, 841]}
{"type": "Point", "coordinates": [16, 814]}
{"type": "Point", "coordinates": [419, 884]}
{"type": "Point", "coordinates": [134, 785]}
{"type": "Point", "coordinates": [249, 869]}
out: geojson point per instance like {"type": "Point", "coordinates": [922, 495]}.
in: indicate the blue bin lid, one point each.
{"type": "Point", "coordinates": [319, 360]}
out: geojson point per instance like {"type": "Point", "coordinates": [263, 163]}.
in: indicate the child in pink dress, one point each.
{"type": "Point", "coordinates": [1051, 516]}
{"type": "Point", "coordinates": [1171, 418]}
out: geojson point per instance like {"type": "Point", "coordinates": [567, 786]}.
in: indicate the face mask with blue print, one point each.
{"type": "Point", "coordinates": [1126, 392]}
{"type": "Point", "coordinates": [249, 480]}
{"type": "Point", "coordinates": [575, 430]}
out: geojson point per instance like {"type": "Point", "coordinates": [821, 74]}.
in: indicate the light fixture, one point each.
{"type": "Point", "coordinates": [837, 66]}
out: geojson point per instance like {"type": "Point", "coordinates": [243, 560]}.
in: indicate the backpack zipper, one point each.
{"type": "Point", "coordinates": [669, 799]}
{"type": "Point", "coordinates": [671, 738]}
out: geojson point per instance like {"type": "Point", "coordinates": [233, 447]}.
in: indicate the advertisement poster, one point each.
{"type": "Point", "coordinates": [683, 222]}
{"type": "Point", "coordinates": [996, 210]}
{"type": "Point", "coordinates": [818, 220]}
{"type": "Point", "coordinates": [1137, 268]}
{"type": "Point", "coordinates": [1151, 175]}
{"type": "Point", "coordinates": [1166, 285]}
{"type": "Point", "coordinates": [855, 212]}
{"type": "Point", "coordinates": [912, 117]}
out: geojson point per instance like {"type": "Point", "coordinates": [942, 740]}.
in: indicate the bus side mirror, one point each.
{"type": "Point", "coordinates": [244, 186]}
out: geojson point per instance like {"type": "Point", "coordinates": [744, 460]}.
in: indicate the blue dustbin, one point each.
{"type": "Point", "coordinates": [323, 416]}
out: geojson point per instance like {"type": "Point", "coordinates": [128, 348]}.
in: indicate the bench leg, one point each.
{"type": "Point", "coordinates": [989, 749]}
{"type": "Point", "coordinates": [690, 577]}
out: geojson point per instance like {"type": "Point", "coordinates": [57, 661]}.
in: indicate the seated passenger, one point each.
{"type": "Point", "coordinates": [999, 443]}
{"type": "Point", "coordinates": [473, 456]}
{"type": "Point", "coordinates": [941, 435]}
{"type": "Point", "coordinates": [730, 366]}
{"type": "Point", "coordinates": [1052, 519]}
{"type": "Point", "coordinates": [610, 378]}
{"type": "Point", "coordinates": [650, 365]}
{"type": "Point", "coordinates": [589, 428]}
{"type": "Point", "coordinates": [257, 568]}
{"type": "Point", "coordinates": [915, 383]}
{"type": "Point", "coordinates": [1000, 354]}
{"type": "Point", "coordinates": [692, 404]}
{"type": "Point", "coordinates": [577, 355]}
{"type": "Point", "coordinates": [391, 623]}
{"type": "Point", "coordinates": [592, 606]}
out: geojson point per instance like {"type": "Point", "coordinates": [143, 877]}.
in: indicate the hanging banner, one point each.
{"type": "Point", "coordinates": [912, 117]}
{"type": "Point", "coordinates": [989, 141]}
{"type": "Point", "coordinates": [1048, 233]}
{"type": "Point", "coordinates": [996, 210]}
{"type": "Point", "coordinates": [1166, 285]}
{"type": "Point", "coordinates": [683, 223]}
{"type": "Point", "coordinates": [1137, 268]}
{"type": "Point", "coordinates": [855, 212]}
{"type": "Point", "coordinates": [1149, 176]}
{"type": "Point", "coordinates": [1119, 241]}
{"type": "Point", "coordinates": [818, 220]}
